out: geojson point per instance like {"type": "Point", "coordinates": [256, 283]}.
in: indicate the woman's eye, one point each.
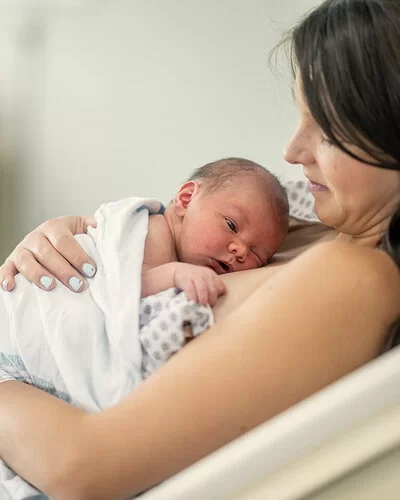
{"type": "Point", "coordinates": [231, 225]}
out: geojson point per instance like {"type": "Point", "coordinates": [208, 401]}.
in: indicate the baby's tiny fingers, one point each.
{"type": "Point", "coordinates": [202, 289]}
{"type": "Point", "coordinates": [221, 287]}
{"type": "Point", "coordinates": [212, 292]}
{"type": "Point", "coordinates": [189, 289]}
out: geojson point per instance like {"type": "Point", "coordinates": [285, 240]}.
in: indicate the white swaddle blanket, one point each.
{"type": "Point", "coordinates": [84, 348]}
{"type": "Point", "coordinates": [51, 330]}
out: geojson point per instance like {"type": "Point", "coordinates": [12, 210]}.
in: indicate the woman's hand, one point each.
{"type": "Point", "coordinates": [51, 251]}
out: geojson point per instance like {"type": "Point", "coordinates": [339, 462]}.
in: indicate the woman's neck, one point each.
{"type": "Point", "coordinates": [368, 240]}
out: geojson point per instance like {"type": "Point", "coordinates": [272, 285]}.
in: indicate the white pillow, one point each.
{"type": "Point", "coordinates": [301, 201]}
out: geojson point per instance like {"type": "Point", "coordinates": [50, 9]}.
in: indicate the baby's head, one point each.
{"type": "Point", "coordinates": [230, 215]}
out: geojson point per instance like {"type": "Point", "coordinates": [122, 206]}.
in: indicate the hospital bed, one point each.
{"type": "Point", "coordinates": [341, 443]}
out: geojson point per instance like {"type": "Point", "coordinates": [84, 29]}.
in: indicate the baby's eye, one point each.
{"type": "Point", "coordinates": [231, 225]}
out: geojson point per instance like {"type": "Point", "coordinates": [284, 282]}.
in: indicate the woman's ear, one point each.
{"type": "Point", "coordinates": [184, 196]}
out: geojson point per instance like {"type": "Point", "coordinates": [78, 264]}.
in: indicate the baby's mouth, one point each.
{"type": "Point", "coordinates": [220, 267]}
{"type": "Point", "coordinates": [225, 268]}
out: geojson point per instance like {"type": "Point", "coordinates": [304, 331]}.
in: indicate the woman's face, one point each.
{"type": "Point", "coordinates": [352, 196]}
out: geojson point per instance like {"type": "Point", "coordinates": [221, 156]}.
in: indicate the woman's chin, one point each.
{"type": "Point", "coordinates": [325, 214]}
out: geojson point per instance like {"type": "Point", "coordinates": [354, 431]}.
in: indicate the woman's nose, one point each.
{"type": "Point", "coordinates": [298, 151]}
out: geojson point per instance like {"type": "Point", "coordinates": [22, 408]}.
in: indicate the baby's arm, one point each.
{"type": "Point", "coordinates": [156, 279]}
{"type": "Point", "coordinates": [201, 284]}
{"type": "Point", "coordinates": [161, 271]}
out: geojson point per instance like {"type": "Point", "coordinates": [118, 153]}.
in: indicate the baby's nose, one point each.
{"type": "Point", "coordinates": [239, 250]}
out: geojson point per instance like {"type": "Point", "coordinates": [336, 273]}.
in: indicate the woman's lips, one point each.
{"type": "Point", "coordinates": [315, 187]}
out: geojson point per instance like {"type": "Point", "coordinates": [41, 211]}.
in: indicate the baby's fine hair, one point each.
{"type": "Point", "coordinates": [216, 174]}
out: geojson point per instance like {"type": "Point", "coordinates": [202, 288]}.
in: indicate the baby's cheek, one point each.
{"type": "Point", "coordinates": [251, 262]}
{"type": "Point", "coordinates": [214, 244]}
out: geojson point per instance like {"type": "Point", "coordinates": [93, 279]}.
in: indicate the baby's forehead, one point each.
{"type": "Point", "coordinates": [248, 181]}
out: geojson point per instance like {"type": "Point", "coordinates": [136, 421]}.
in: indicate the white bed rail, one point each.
{"type": "Point", "coordinates": [323, 437]}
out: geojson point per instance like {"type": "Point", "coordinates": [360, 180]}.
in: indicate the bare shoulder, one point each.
{"type": "Point", "coordinates": [372, 263]}
{"type": "Point", "coordinates": [159, 246]}
{"type": "Point", "coordinates": [353, 273]}
{"type": "Point", "coordinates": [342, 296]}
{"type": "Point", "coordinates": [159, 226]}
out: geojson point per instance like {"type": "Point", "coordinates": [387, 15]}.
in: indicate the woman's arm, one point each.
{"type": "Point", "coordinates": [50, 251]}
{"type": "Point", "coordinates": [321, 317]}
{"type": "Point", "coordinates": [38, 434]}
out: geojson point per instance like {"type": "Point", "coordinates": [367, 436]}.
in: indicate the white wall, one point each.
{"type": "Point", "coordinates": [124, 97]}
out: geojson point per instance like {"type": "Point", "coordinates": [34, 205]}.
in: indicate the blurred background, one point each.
{"type": "Point", "coordinates": [104, 99]}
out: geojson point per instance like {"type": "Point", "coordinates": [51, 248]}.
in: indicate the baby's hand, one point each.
{"type": "Point", "coordinates": [201, 284]}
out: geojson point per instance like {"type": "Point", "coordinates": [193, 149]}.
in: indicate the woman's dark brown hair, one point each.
{"type": "Point", "coordinates": [347, 55]}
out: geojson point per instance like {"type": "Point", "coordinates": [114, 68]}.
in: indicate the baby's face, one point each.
{"type": "Point", "coordinates": [231, 229]}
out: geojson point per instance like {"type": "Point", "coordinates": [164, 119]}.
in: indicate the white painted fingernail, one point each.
{"type": "Point", "coordinates": [88, 269]}
{"type": "Point", "coordinates": [46, 281]}
{"type": "Point", "coordinates": [75, 283]}
{"type": "Point", "coordinates": [4, 284]}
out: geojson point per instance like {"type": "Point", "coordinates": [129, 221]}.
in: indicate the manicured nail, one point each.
{"type": "Point", "coordinates": [4, 284]}
{"type": "Point", "coordinates": [46, 281]}
{"type": "Point", "coordinates": [75, 283]}
{"type": "Point", "coordinates": [88, 269]}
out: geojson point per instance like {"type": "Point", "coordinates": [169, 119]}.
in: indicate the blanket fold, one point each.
{"type": "Point", "coordinates": [83, 347]}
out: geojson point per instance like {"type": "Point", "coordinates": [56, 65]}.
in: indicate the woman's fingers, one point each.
{"type": "Point", "coordinates": [45, 263]}
{"type": "Point", "coordinates": [64, 257]}
{"type": "Point", "coordinates": [50, 252]}
{"type": "Point", "coordinates": [83, 222]}
{"type": "Point", "coordinates": [60, 233]}
{"type": "Point", "coordinates": [25, 263]}
{"type": "Point", "coordinates": [7, 273]}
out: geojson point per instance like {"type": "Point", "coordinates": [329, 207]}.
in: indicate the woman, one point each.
{"type": "Point", "coordinates": [344, 295]}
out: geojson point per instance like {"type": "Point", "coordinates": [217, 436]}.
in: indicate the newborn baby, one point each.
{"type": "Point", "coordinates": [231, 215]}
{"type": "Point", "coordinates": [93, 348]}
{"type": "Point", "coordinates": [157, 273]}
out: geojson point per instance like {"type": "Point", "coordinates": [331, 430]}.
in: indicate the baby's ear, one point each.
{"type": "Point", "coordinates": [184, 196]}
